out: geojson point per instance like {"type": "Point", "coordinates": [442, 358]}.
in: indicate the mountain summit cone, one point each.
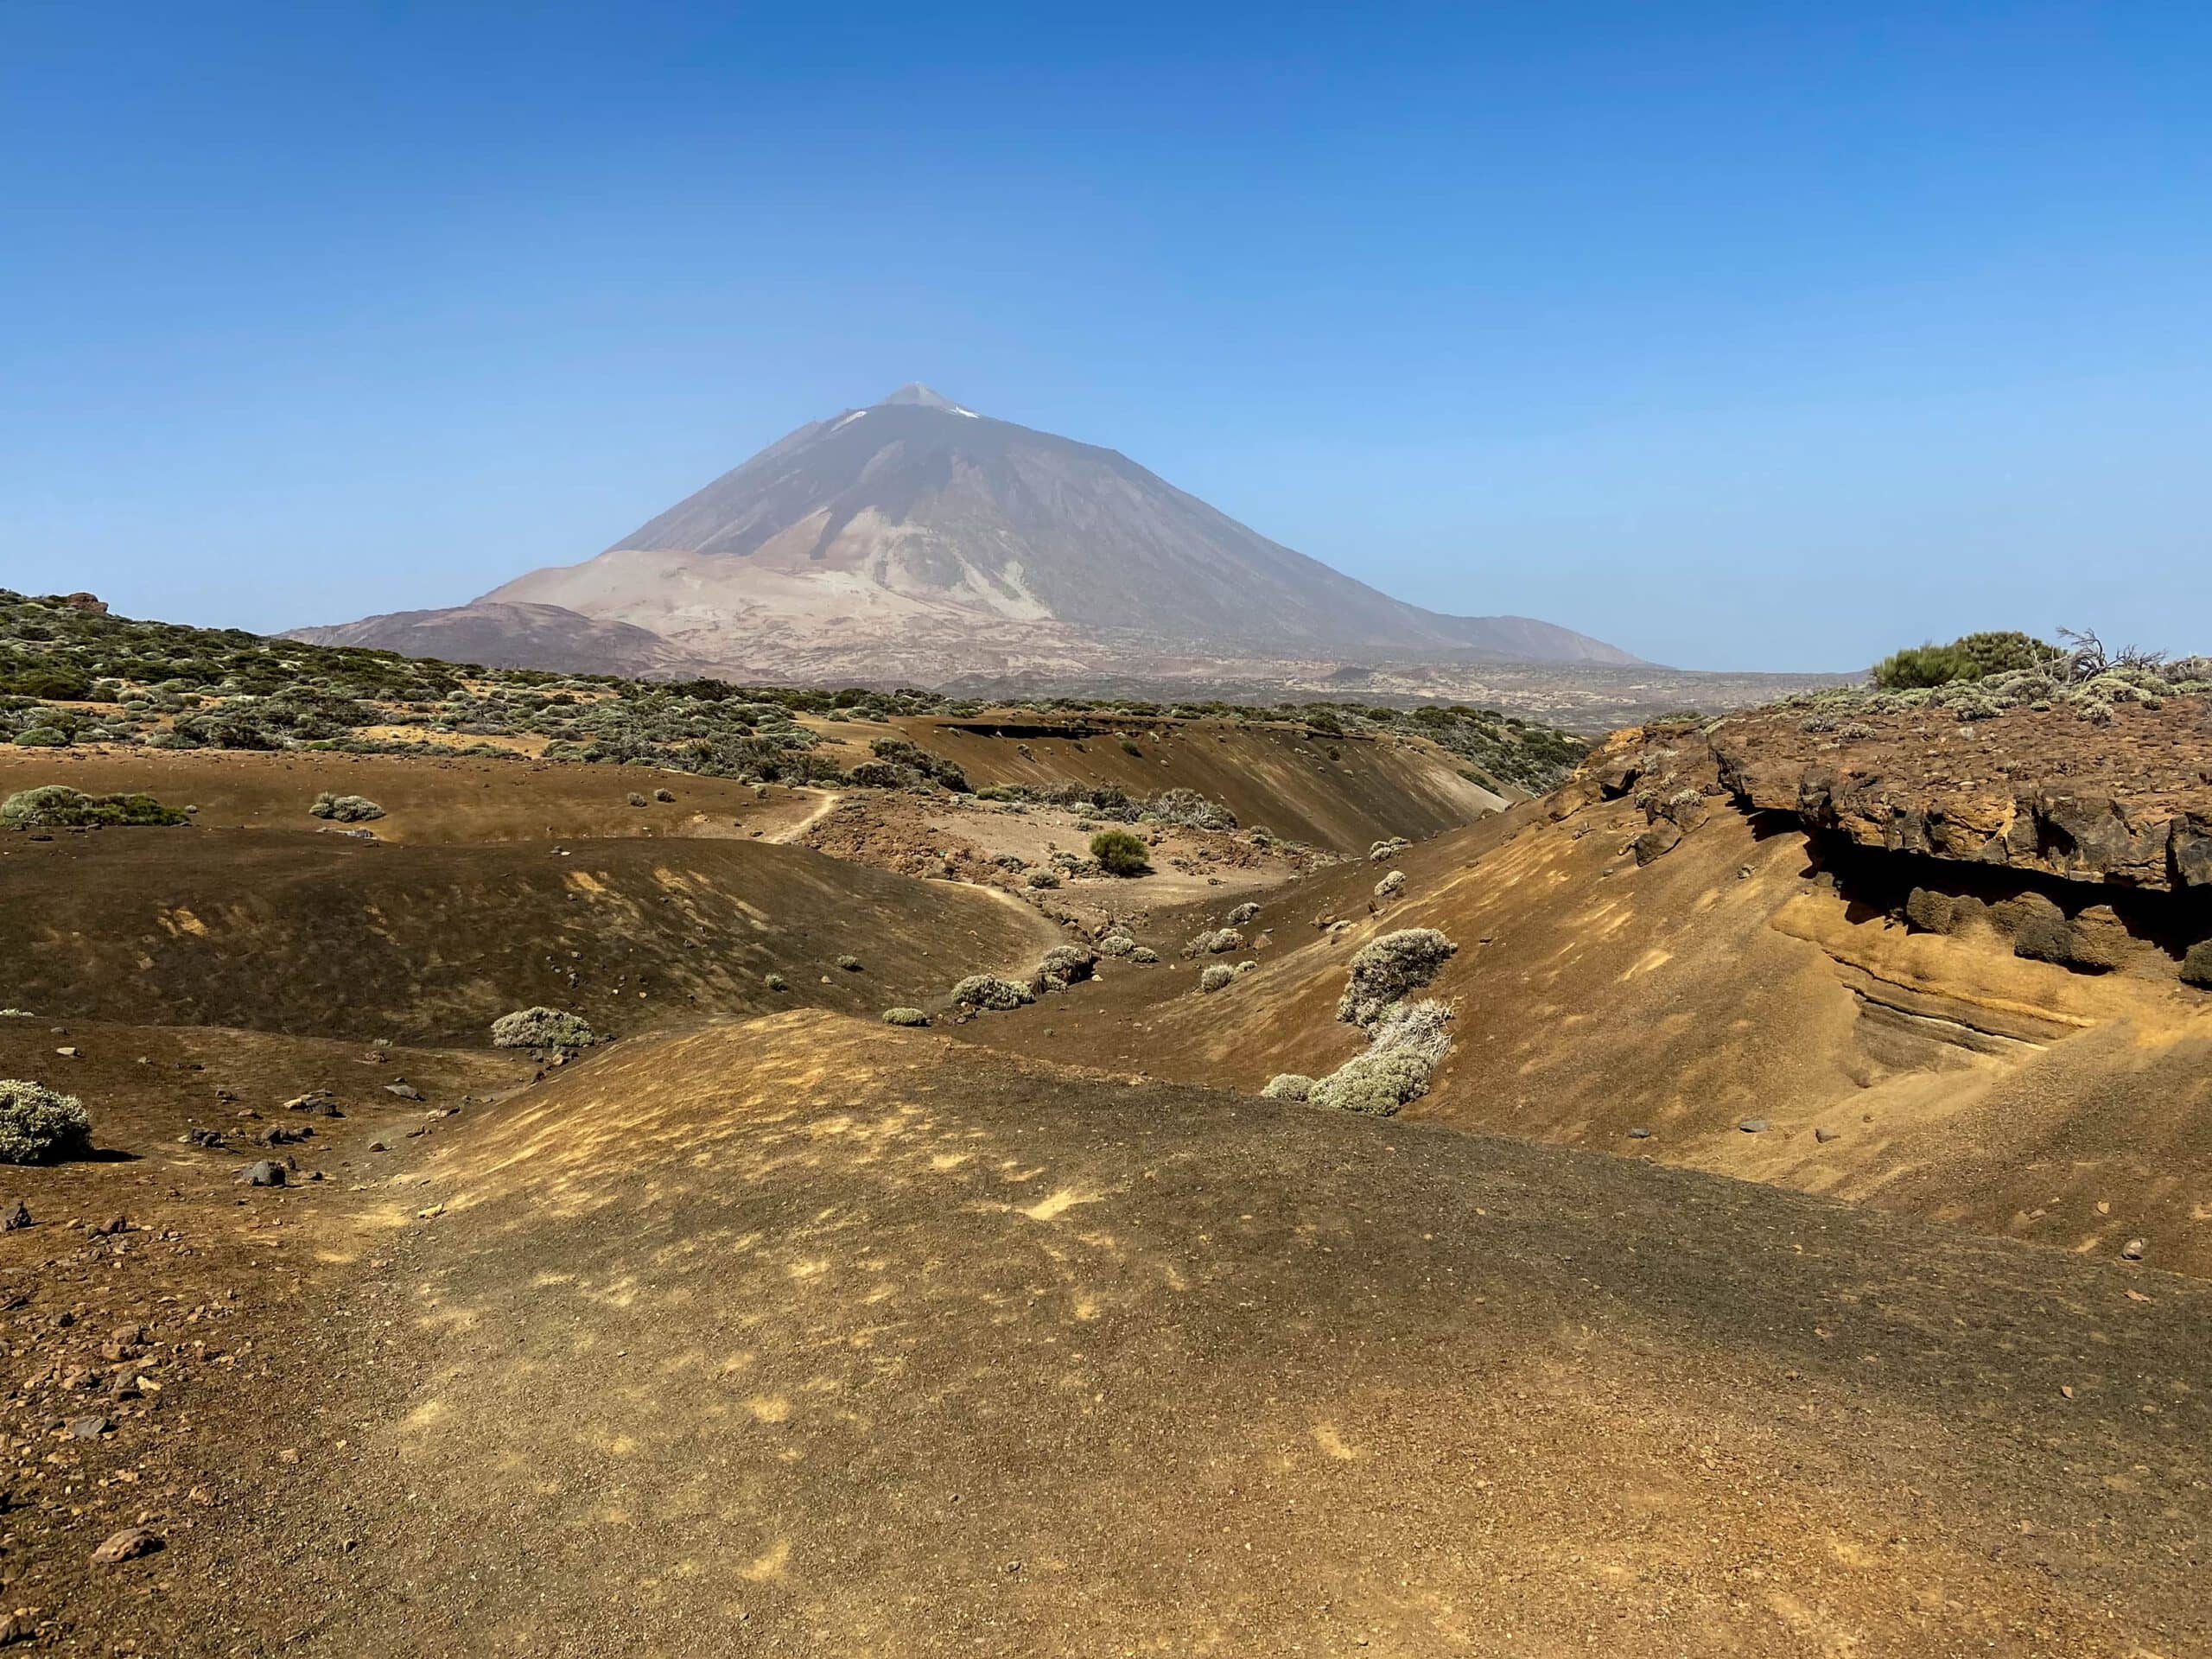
{"type": "Point", "coordinates": [918, 540]}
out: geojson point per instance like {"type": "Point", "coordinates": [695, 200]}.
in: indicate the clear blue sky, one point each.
{"type": "Point", "coordinates": [1761, 336]}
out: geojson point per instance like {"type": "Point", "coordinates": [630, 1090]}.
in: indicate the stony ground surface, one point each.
{"type": "Point", "coordinates": [167, 1326]}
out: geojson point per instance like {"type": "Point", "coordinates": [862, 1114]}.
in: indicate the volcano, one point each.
{"type": "Point", "coordinates": [917, 538]}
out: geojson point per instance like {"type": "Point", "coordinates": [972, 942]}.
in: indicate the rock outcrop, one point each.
{"type": "Point", "coordinates": [2128, 803]}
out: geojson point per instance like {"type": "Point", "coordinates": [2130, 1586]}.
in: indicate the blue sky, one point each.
{"type": "Point", "coordinates": [1743, 336]}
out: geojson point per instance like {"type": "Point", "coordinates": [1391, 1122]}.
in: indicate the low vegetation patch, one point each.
{"type": "Point", "coordinates": [905, 1017]}
{"type": "Point", "coordinates": [1981, 676]}
{"type": "Point", "coordinates": [72, 674]}
{"type": "Point", "coordinates": [991, 993]}
{"type": "Point", "coordinates": [1385, 970]}
{"type": "Point", "coordinates": [56, 806]}
{"type": "Point", "coordinates": [41, 1126]}
{"type": "Point", "coordinates": [542, 1028]}
{"type": "Point", "coordinates": [1373, 1084]}
{"type": "Point", "coordinates": [345, 808]}
{"type": "Point", "coordinates": [1064, 965]}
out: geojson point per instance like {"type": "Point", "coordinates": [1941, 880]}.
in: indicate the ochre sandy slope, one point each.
{"type": "Point", "coordinates": [798, 1338]}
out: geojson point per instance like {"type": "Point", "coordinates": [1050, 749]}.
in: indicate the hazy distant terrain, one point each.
{"type": "Point", "coordinates": [917, 543]}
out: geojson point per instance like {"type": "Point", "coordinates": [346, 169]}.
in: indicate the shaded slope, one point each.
{"type": "Point", "coordinates": [325, 936]}
{"type": "Point", "coordinates": [454, 798]}
{"type": "Point", "coordinates": [509, 635]}
{"type": "Point", "coordinates": [854, 1342]}
{"type": "Point", "coordinates": [1340, 793]}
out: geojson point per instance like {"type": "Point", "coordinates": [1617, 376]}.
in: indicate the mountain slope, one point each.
{"type": "Point", "coordinates": [508, 636]}
{"type": "Point", "coordinates": [918, 537]}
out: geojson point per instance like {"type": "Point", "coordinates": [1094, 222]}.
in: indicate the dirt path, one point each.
{"type": "Point", "coordinates": [819, 811]}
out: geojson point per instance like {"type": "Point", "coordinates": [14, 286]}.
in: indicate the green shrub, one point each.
{"type": "Point", "coordinates": [1287, 1085]}
{"type": "Point", "coordinates": [1972, 656]}
{"type": "Point", "coordinates": [56, 806]}
{"type": "Point", "coordinates": [38, 1126]}
{"type": "Point", "coordinates": [541, 1027]}
{"type": "Point", "coordinates": [905, 1017]}
{"type": "Point", "coordinates": [1119, 853]}
{"type": "Point", "coordinates": [1919, 666]}
{"type": "Point", "coordinates": [1216, 976]}
{"type": "Point", "coordinates": [1243, 914]}
{"type": "Point", "coordinates": [1042, 879]}
{"type": "Point", "coordinates": [2006, 652]}
{"type": "Point", "coordinates": [1215, 942]}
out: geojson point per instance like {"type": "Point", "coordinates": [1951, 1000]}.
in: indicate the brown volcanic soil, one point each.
{"type": "Point", "coordinates": [323, 935]}
{"type": "Point", "coordinates": [1283, 778]}
{"type": "Point", "coordinates": [802, 1337]}
{"type": "Point", "coordinates": [222, 1291]}
{"type": "Point", "coordinates": [451, 799]}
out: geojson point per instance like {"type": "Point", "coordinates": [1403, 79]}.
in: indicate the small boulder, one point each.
{"type": "Point", "coordinates": [267, 1173]}
{"type": "Point", "coordinates": [2196, 966]}
{"type": "Point", "coordinates": [126, 1546]}
{"type": "Point", "coordinates": [1657, 841]}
